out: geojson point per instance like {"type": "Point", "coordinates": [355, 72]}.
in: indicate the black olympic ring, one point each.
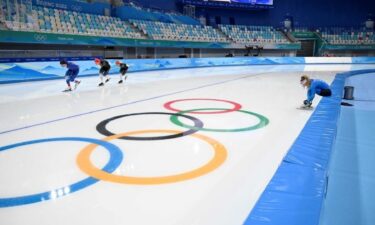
{"type": "Point", "coordinates": [101, 127]}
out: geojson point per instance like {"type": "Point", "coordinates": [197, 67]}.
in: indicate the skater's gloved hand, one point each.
{"type": "Point", "coordinates": [307, 103]}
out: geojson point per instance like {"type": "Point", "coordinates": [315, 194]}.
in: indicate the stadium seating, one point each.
{"type": "Point", "coordinates": [131, 11]}
{"type": "Point", "coordinates": [301, 29]}
{"type": "Point", "coordinates": [51, 20]}
{"type": "Point", "coordinates": [158, 26]}
{"type": "Point", "coordinates": [344, 36]}
{"type": "Point", "coordinates": [57, 21]}
{"type": "Point", "coordinates": [253, 34]}
{"type": "Point", "coordinates": [20, 20]}
{"type": "Point", "coordinates": [179, 32]}
{"type": "Point", "coordinates": [48, 20]}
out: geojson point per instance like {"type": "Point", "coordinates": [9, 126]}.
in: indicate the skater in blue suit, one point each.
{"type": "Point", "coordinates": [71, 74]}
{"type": "Point", "coordinates": [314, 86]}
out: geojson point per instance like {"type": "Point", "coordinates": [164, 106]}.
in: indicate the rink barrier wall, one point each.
{"type": "Point", "coordinates": [37, 71]}
{"type": "Point", "coordinates": [46, 59]}
{"type": "Point", "coordinates": [295, 194]}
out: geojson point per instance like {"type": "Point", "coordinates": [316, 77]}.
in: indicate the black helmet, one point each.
{"type": "Point", "coordinates": [63, 62]}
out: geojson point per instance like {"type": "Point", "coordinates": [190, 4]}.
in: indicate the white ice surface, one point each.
{"type": "Point", "coordinates": [225, 196]}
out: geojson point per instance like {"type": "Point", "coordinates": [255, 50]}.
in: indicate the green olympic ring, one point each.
{"type": "Point", "coordinates": [263, 121]}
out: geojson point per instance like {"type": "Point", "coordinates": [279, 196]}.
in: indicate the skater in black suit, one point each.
{"type": "Point", "coordinates": [123, 69]}
{"type": "Point", "coordinates": [104, 70]}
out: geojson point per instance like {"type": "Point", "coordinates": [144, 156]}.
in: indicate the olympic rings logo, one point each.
{"type": "Point", "coordinates": [116, 155]}
{"type": "Point", "coordinates": [40, 37]}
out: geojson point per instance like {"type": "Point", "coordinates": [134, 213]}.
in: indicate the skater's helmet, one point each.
{"type": "Point", "coordinates": [118, 62]}
{"type": "Point", "coordinates": [304, 79]}
{"type": "Point", "coordinates": [63, 62]}
{"type": "Point", "coordinates": [97, 61]}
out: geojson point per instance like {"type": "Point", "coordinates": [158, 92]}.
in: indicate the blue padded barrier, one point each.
{"type": "Point", "coordinates": [351, 190]}
{"type": "Point", "coordinates": [295, 194]}
{"type": "Point", "coordinates": [36, 71]}
{"type": "Point", "coordinates": [30, 71]}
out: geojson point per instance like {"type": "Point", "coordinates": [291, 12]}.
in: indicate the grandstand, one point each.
{"type": "Point", "coordinates": [48, 20]}
{"type": "Point", "coordinates": [132, 26]}
{"type": "Point", "coordinates": [253, 34]}
{"type": "Point", "coordinates": [339, 35]}
{"type": "Point", "coordinates": [178, 32]}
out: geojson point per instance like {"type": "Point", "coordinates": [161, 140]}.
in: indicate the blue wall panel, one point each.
{"type": "Point", "coordinates": [29, 71]}
{"type": "Point", "coordinates": [91, 8]}
{"type": "Point", "coordinates": [305, 13]}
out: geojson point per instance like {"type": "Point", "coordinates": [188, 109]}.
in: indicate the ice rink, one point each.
{"type": "Point", "coordinates": [177, 147]}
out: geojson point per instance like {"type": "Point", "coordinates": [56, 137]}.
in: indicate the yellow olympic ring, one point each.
{"type": "Point", "coordinates": [84, 163]}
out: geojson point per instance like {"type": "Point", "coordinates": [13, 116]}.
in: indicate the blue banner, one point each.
{"type": "Point", "coordinates": [78, 6]}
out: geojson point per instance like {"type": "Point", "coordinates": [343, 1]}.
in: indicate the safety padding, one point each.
{"type": "Point", "coordinates": [36, 71]}
{"type": "Point", "coordinates": [295, 194]}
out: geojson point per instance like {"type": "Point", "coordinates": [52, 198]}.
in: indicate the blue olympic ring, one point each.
{"type": "Point", "coordinates": [115, 160]}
